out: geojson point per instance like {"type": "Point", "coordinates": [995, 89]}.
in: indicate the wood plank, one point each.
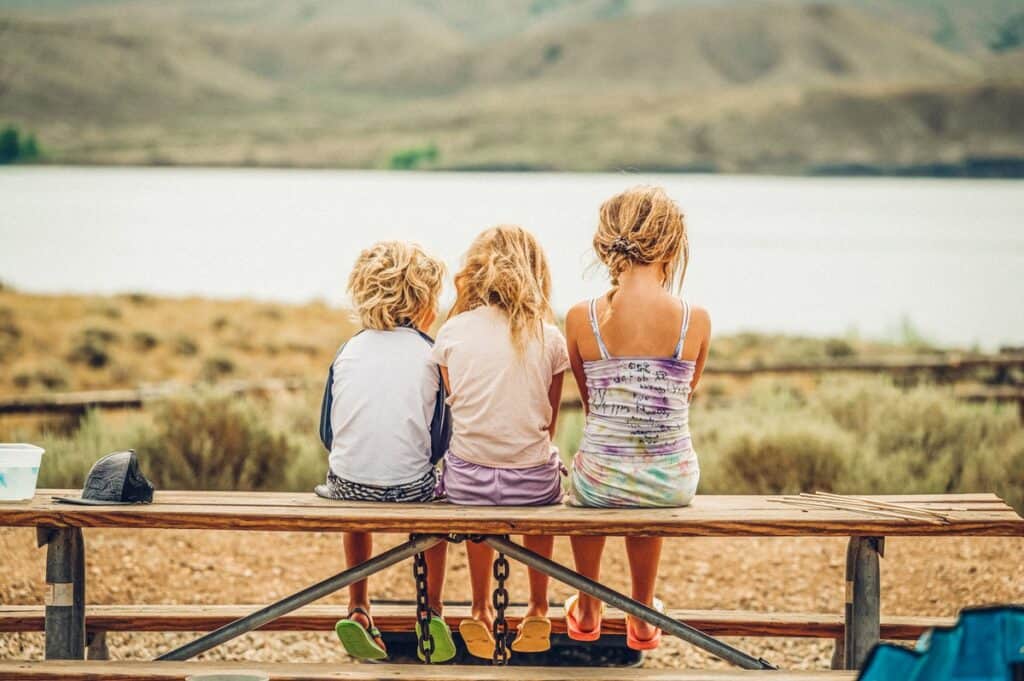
{"type": "Point", "coordinates": [176, 671]}
{"type": "Point", "coordinates": [709, 515]}
{"type": "Point", "coordinates": [400, 618]}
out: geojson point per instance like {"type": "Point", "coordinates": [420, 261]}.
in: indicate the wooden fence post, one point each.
{"type": "Point", "coordinates": [65, 595]}
{"type": "Point", "coordinates": [863, 598]}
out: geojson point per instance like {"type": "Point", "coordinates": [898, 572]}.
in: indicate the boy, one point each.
{"type": "Point", "coordinates": [384, 419]}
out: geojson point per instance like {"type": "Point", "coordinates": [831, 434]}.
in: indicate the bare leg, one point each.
{"type": "Point", "coordinates": [437, 562]}
{"type": "Point", "coordinates": [644, 554]}
{"type": "Point", "coordinates": [545, 546]}
{"type": "Point", "coordinates": [358, 547]}
{"type": "Point", "coordinates": [587, 553]}
{"type": "Point", "coordinates": [481, 559]}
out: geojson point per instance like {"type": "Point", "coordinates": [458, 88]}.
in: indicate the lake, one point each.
{"type": "Point", "coordinates": [769, 254]}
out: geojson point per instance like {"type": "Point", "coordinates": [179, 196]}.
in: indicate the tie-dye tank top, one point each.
{"type": "Point", "coordinates": [636, 449]}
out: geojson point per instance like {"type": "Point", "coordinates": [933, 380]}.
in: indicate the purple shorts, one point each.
{"type": "Point", "coordinates": [470, 484]}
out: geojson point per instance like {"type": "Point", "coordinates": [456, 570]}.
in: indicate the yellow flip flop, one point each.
{"type": "Point", "coordinates": [534, 635]}
{"type": "Point", "coordinates": [478, 638]}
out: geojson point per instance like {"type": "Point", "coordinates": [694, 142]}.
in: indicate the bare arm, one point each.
{"type": "Point", "coordinates": [555, 398]}
{"type": "Point", "coordinates": [576, 316]}
{"type": "Point", "coordinates": [447, 383]}
{"type": "Point", "coordinates": [703, 320]}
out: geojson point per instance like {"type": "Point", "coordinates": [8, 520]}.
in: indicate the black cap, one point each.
{"type": "Point", "coordinates": [114, 479]}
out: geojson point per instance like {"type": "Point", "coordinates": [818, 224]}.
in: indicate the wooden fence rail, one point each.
{"type": "Point", "coordinates": [949, 366]}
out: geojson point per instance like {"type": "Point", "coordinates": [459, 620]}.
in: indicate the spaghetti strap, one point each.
{"type": "Point", "coordinates": [597, 332]}
{"type": "Point", "coordinates": [678, 354]}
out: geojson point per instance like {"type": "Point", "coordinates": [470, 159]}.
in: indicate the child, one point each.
{"type": "Point", "coordinates": [384, 419]}
{"type": "Point", "coordinates": [637, 354]}
{"type": "Point", "coordinates": [503, 366]}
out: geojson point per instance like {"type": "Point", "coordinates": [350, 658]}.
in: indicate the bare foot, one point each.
{"type": "Point", "coordinates": [539, 609]}
{"type": "Point", "coordinates": [588, 613]}
{"type": "Point", "coordinates": [643, 631]}
{"type": "Point", "coordinates": [485, 614]}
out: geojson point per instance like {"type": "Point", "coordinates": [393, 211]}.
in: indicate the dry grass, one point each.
{"type": "Point", "coordinates": [93, 342]}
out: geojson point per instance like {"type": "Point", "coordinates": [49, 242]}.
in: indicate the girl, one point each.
{"type": "Point", "coordinates": [637, 353]}
{"type": "Point", "coordinates": [503, 366]}
{"type": "Point", "coordinates": [384, 420]}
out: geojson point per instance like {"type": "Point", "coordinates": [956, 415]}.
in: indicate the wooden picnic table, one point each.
{"type": "Point", "coordinates": [59, 527]}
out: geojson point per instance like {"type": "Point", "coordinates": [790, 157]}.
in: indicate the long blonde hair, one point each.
{"type": "Point", "coordinates": [394, 283]}
{"type": "Point", "coordinates": [643, 225]}
{"type": "Point", "coordinates": [506, 267]}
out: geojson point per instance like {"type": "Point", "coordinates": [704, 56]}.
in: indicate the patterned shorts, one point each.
{"type": "Point", "coordinates": [345, 490]}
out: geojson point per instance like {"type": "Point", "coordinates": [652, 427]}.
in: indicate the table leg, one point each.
{"type": "Point", "coordinates": [65, 595]}
{"type": "Point", "coordinates": [863, 596]}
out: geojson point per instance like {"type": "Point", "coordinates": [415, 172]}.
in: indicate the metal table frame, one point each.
{"type": "Point", "coordinates": [65, 599]}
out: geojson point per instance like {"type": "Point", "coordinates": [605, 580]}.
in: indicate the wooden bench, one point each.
{"type": "Point", "coordinates": [176, 671]}
{"type": "Point", "coordinates": [395, 618]}
{"type": "Point", "coordinates": [59, 527]}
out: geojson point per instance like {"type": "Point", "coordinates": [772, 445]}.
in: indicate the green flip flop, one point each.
{"type": "Point", "coordinates": [444, 645]}
{"type": "Point", "coordinates": [359, 640]}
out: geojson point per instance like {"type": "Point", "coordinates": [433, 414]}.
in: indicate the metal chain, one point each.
{"type": "Point", "coordinates": [426, 639]}
{"type": "Point", "coordinates": [500, 601]}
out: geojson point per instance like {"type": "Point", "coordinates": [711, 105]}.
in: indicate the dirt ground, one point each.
{"type": "Point", "coordinates": [919, 577]}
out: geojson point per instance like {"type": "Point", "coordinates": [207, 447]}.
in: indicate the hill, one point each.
{"type": "Point", "coordinates": [567, 84]}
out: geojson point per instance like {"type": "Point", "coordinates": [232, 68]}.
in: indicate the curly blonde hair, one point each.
{"type": "Point", "coordinates": [643, 225]}
{"type": "Point", "coordinates": [506, 267]}
{"type": "Point", "coordinates": [394, 283]}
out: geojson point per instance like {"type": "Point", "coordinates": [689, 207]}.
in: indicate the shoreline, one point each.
{"type": "Point", "coordinates": [979, 168]}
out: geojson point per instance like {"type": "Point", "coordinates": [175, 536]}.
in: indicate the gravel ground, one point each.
{"type": "Point", "coordinates": [920, 577]}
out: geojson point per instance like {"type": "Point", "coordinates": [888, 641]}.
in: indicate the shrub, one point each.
{"type": "Point", "coordinates": [106, 309]}
{"type": "Point", "coordinates": [184, 346]}
{"type": "Point", "coordinates": [792, 456]}
{"type": "Point", "coordinates": [10, 333]}
{"type": "Point", "coordinates": [14, 148]}
{"type": "Point", "coordinates": [414, 157]}
{"type": "Point", "coordinates": [50, 377]}
{"type": "Point", "coordinates": [209, 441]}
{"type": "Point", "coordinates": [216, 367]}
{"type": "Point", "coordinates": [91, 346]}
{"type": "Point", "coordinates": [144, 341]}
{"type": "Point", "coordinates": [837, 347]}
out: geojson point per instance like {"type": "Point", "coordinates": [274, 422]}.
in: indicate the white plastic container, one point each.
{"type": "Point", "coordinates": [19, 470]}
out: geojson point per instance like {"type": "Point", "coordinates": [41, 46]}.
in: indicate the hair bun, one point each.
{"type": "Point", "coordinates": [625, 246]}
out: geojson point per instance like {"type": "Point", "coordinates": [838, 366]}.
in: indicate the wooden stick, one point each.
{"type": "Point", "coordinates": [881, 504]}
{"type": "Point", "coordinates": [812, 503]}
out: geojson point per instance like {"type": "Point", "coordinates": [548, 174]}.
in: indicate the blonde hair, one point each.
{"type": "Point", "coordinates": [506, 267]}
{"type": "Point", "coordinates": [394, 283]}
{"type": "Point", "coordinates": [642, 225]}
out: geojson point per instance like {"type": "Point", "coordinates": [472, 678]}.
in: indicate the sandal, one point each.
{"type": "Point", "coordinates": [364, 643]}
{"type": "Point", "coordinates": [534, 635]}
{"type": "Point", "coordinates": [478, 637]}
{"type": "Point", "coordinates": [572, 625]}
{"type": "Point", "coordinates": [651, 643]}
{"type": "Point", "coordinates": [444, 644]}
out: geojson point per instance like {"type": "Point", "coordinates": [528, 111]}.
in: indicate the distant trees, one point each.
{"type": "Point", "coordinates": [414, 157]}
{"type": "Point", "coordinates": [16, 148]}
{"type": "Point", "coordinates": [1010, 35]}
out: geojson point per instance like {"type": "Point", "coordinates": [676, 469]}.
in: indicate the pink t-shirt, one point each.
{"type": "Point", "coordinates": [499, 399]}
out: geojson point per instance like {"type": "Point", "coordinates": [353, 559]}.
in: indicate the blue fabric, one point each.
{"type": "Point", "coordinates": [440, 424]}
{"type": "Point", "coordinates": [986, 644]}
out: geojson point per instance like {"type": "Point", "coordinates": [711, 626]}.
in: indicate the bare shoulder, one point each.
{"type": "Point", "coordinates": [576, 315]}
{"type": "Point", "coordinates": [700, 321]}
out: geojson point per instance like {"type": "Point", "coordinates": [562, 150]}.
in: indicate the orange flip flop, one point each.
{"type": "Point", "coordinates": [572, 625]}
{"type": "Point", "coordinates": [634, 643]}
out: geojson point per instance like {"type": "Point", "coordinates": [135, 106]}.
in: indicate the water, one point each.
{"type": "Point", "coordinates": [799, 255]}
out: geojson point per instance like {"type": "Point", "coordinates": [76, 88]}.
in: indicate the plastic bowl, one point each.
{"type": "Point", "coordinates": [19, 470]}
